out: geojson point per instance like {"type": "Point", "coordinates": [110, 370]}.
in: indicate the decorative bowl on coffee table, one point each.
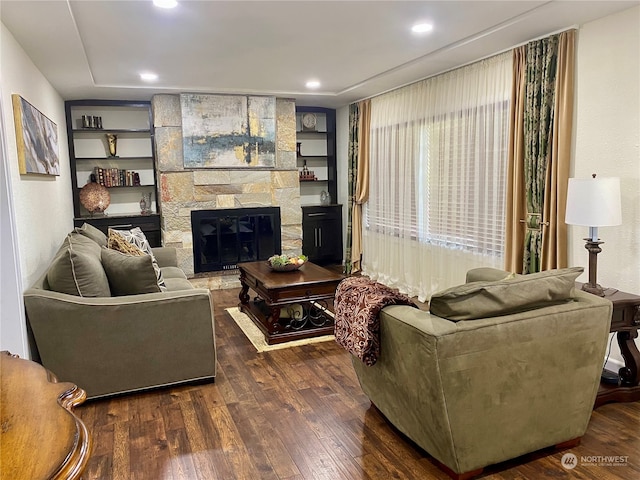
{"type": "Point", "coordinates": [286, 263]}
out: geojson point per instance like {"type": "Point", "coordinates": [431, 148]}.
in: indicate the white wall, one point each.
{"type": "Point", "coordinates": [12, 337]}
{"type": "Point", "coordinates": [42, 205]}
{"type": "Point", "coordinates": [607, 142]}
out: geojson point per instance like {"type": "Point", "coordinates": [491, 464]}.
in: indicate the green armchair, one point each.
{"type": "Point", "coordinates": [486, 388]}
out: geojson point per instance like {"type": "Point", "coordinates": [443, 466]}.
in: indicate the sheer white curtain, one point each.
{"type": "Point", "coordinates": [438, 166]}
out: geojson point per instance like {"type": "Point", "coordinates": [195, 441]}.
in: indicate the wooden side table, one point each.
{"type": "Point", "coordinates": [625, 323]}
{"type": "Point", "coordinates": [41, 438]}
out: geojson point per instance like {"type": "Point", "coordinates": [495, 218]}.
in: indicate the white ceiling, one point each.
{"type": "Point", "coordinates": [356, 49]}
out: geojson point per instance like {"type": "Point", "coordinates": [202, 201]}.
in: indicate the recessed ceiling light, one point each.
{"type": "Point", "coordinates": [165, 3]}
{"type": "Point", "coordinates": [149, 77]}
{"type": "Point", "coordinates": [312, 84]}
{"type": "Point", "coordinates": [422, 28]}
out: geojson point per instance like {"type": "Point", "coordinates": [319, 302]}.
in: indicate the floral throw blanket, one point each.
{"type": "Point", "coordinates": [358, 301]}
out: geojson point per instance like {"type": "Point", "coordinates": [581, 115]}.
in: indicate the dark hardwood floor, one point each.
{"type": "Point", "coordinates": [296, 414]}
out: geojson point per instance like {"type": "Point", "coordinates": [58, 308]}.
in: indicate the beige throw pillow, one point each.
{"type": "Point", "coordinates": [120, 244]}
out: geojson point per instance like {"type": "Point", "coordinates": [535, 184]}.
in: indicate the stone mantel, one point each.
{"type": "Point", "coordinates": [183, 190]}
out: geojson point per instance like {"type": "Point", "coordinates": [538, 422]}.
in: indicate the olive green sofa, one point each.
{"type": "Point", "coordinates": [513, 369]}
{"type": "Point", "coordinates": [111, 344]}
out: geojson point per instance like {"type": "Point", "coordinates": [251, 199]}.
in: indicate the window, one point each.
{"type": "Point", "coordinates": [462, 170]}
{"type": "Point", "coordinates": [438, 165]}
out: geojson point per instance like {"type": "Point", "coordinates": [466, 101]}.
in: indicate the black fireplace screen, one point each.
{"type": "Point", "coordinates": [223, 238]}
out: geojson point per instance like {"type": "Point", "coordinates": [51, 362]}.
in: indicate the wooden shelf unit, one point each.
{"type": "Point", "coordinates": [321, 223]}
{"type": "Point", "coordinates": [132, 122]}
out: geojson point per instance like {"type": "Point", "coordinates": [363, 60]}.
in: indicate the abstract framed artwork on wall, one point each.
{"type": "Point", "coordinates": [36, 139]}
{"type": "Point", "coordinates": [228, 131]}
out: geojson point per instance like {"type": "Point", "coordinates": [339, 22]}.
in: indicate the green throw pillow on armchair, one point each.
{"type": "Point", "coordinates": [514, 294]}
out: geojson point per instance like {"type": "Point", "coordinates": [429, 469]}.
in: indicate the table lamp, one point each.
{"type": "Point", "coordinates": [593, 202]}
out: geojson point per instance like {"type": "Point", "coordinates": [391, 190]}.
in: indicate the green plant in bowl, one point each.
{"type": "Point", "coordinates": [286, 263]}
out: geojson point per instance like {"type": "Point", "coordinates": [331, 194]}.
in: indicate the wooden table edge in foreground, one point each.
{"type": "Point", "coordinates": [41, 436]}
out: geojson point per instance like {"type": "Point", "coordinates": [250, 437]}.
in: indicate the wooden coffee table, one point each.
{"type": "Point", "coordinates": [288, 305]}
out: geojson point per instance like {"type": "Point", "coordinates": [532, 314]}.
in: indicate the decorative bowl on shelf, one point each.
{"type": "Point", "coordinates": [286, 263]}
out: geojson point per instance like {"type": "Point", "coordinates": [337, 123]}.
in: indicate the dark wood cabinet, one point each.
{"type": "Point", "coordinates": [322, 234]}
{"type": "Point", "coordinates": [128, 172]}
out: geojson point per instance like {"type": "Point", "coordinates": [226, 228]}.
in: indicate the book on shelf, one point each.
{"type": "Point", "coordinates": [114, 177]}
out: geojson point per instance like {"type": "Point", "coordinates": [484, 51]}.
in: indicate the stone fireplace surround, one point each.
{"type": "Point", "coordinates": [183, 190]}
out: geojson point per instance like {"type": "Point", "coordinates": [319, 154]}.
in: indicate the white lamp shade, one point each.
{"type": "Point", "coordinates": [593, 202]}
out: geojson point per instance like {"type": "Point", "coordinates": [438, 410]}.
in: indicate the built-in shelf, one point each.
{"type": "Point", "coordinates": [113, 130]}
{"type": "Point", "coordinates": [119, 216]}
{"type": "Point", "coordinates": [113, 158]}
{"type": "Point", "coordinates": [321, 222]}
{"type": "Point", "coordinates": [128, 186]}
{"type": "Point", "coordinates": [90, 152]}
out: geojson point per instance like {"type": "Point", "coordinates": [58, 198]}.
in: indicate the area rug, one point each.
{"type": "Point", "coordinates": [256, 337]}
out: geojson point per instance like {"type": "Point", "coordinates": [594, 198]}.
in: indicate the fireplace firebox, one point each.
{"type": "Point", "coordinates": [223, 238]}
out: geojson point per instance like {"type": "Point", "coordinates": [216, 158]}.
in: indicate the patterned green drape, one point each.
{"type": "Point", "coordinates": [541, 68]}
{"type": "Point", "coordinates": [354, 117]}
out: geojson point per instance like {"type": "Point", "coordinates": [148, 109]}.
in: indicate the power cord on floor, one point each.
{"type": "Point", "coordinates": [609, 350]}
{"type": "Point", "coordinates": [607, 375]}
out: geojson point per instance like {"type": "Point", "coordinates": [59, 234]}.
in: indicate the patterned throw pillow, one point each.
{"type": "Point", "coordinates": [134, 242]}
{"type": "Point", "coordinates": [135, 236]}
